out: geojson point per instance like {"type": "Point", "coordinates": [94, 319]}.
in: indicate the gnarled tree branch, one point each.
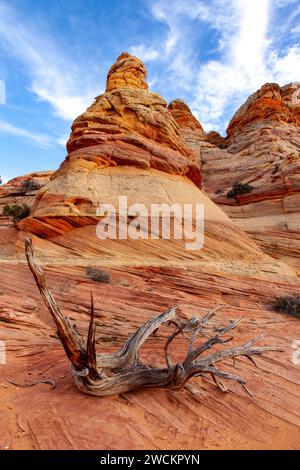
{"type": "Point", "coordinates": [120, 372]}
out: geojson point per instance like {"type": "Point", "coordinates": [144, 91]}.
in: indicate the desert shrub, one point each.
{"type": "Point", "coordinates": [17, 211]}
{"type": "Point", "coordinates": [240, 188]}
{"type": "Point", "coordinates": [98, 275]}
{"type": "Point", "coordinates": [289, 304]}
{"type": "Point", "coordinates": [30, 185]}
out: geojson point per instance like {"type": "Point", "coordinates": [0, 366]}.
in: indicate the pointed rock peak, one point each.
{"type": "Point", "coordinates": [266, 104]}
{"type": "Point", "coordinates": [215, 138]}
{"type": "Point", "coordinates": [127, 72]}
{"type": "Point", "coordinates": [179, 104]}
{"type": "Point", "coordinates": [184, 116]}
{"type": "Point", "coordinates": [291, 93]}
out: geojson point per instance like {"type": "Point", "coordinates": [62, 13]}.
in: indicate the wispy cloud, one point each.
{"type": "Point", "coordinates": [53, 77]}
{"type": "Point", "coordinates": [2, 92]}
{"type": "Point", "coordinates": [9, 129]}
{"type": "Point", "coordinates": [212, 53]}
{"type": "Point", "coordinates": [241, 68]}
{"type": "Point", "coordinates": [248, 51]}
{"type": "Point", "coordinates": [144, 53]}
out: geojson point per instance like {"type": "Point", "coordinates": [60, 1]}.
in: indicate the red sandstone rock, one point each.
{"type": "Point", "coordinates": [216, 139]}
{"type": "Point", "coordinates": [128, 125]}
{"type": "Point", "coordinates": [192, 131]}
{"type": "Point", "coordinates": [126, 72]}
{"type": "Point", "coordinates": [263, 149]}
{"type": "Point", "coordinates": [129, 143]}
{"type": "Point", "coordinates": [265, 105]}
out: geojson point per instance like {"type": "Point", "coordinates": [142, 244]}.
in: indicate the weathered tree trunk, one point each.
{"type": "Point", "coordinates": [90, 370]}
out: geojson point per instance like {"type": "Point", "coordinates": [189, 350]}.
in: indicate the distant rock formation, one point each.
{"type": "Point", "coordinates": [263, 150]}
{"type": "Point", "coordinates": [129, 143]}
{"type": "Point", "coordinates": [192, 131]}
{"type": "Point", "coordinates": [216, 139]}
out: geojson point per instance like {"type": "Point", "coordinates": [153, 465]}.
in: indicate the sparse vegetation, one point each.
{"type": "Point", "coordinates": [289, 304]}
{"type": "Point", "coordinates": [125, 370]}
{"type": "Point", "coordinates": [219, 191]}
{"type": "Point", "coordinates": [30, 185]}
{"type": "Point", "coordinates": [17, 211]}
{"type": "Point", "coordinates": [98, 275]}
{"type": "Point", "coordinates": [239, 188]}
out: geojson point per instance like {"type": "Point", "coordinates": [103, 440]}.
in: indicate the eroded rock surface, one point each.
{"type": "Point", "coordinates": [129, 143]}
{"type": "Point", "coordinates": [262, 149]}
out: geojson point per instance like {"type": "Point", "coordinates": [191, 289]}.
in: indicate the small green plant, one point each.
{"type": "Point", "coordinates": [98, 275]}
{"type": "Point", "coordinates": [239, 188]}
{"type": "Point", "coordinates": [289, 304]}
{"type": "Point", "coordinates": [30, 185]}
{"type": "Point", "coordinates": [17, 211]}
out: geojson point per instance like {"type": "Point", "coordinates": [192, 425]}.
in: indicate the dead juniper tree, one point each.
{"type": "Point", "coordinates": [122, 371]}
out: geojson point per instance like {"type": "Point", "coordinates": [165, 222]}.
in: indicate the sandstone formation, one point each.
{"type": "Point", "coordinates": [263, 149]}
{"type": "Point", "coordinates": [126, 127]}
{"type": "Point", "coordinates": [216, 139]}
{"type": "Point", "coordinates": [129, 143]}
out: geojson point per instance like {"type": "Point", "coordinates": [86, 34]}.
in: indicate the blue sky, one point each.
{"type": "Point", "coordinates": [54, 56]}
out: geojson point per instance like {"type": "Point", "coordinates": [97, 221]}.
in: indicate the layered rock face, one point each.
{"type": "Point", "coordinates": [128, 140]}
{"type": "Point", "coordinates": [127, 130]}
{"type": "Point", "coordinates": [130, 126]}
{"type": "Point", "coordinates": [190, 127]}
{"type": "Point", "coordinates": [129, 143]}
{"type": "Point", "coordinates": [193, 134]}
{"type": "Point", "coordinates": [216, 139]}
{"type": "Point", "coordinates": [263, 150]}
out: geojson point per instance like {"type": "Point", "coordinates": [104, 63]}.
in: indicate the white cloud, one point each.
{"type": "Point", "coordinates": [8, 129]}
{"type": "Point", "coordinates": [62, 140]}
{"type": "Point", "coordinates": [249, 45]}
{"type": "Point", "coordinates": [4, 178]}
{"type": "Point", "coordinates": [296, 30]}
{"type": "Point", "coordinates": [241, 69]}
{"type": "Point", "coordinates": [144, 53]}
{"type": "Point", "coordinates": [286, 68]}
{"type": "Point", "coordinates": [159, 13]}
{"type": "Point", "coordinates": [248, 52]}
{"type": "Point", "coordinates": [2, 92]}
{"type": "Point", "coordinates": [54, 78]}
{"type": "Point", "coordinates": [284, 3]}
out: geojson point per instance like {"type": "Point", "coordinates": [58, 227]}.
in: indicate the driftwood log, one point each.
{"type": "Point", "coordinates": [121, 372]}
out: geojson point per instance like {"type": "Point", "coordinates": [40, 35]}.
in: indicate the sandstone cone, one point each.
{"type": "Point", "coordinates": [126, 142]}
